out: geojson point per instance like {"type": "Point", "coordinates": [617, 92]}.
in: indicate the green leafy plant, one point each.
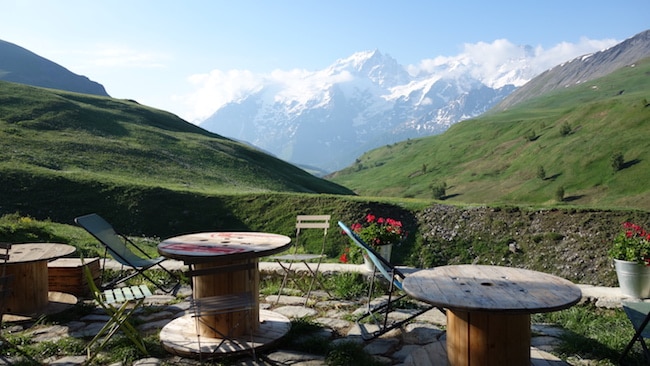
{"type": "Point", "coordinates": [632, 244]}
{"type": "Point", "coordinates": [349, 353]}
{"type": "Point", "coordinates": [375, 231]}
{"type": "Point", "coordinates": [378, 231]}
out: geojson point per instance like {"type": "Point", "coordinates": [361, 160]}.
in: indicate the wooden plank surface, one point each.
{"type": "Point", "coordinates": [28, 291]}
{"type": "Point", "coordinates": [179, 337]}
{"type": "Point", "coordinates": [492, 288]}
{"type": "Point", "coordinates": [226, 282]}
{"type": "Point", "coordinates": [67, 275]}
{"type": "Point", "coordinates": [34, 252]}
{"type": "Point", "coordinates": [435, 354]}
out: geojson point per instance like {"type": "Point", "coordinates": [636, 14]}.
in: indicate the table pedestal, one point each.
{"type": "Point", "coordinates": [29, 289]}
{"type": "Point", "coordinates": [236, 323]}
{"type": "Point", "coordinates": [482, 338]}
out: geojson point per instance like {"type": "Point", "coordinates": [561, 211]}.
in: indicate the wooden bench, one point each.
{"type": "Point", "coordinates": [66, 275]}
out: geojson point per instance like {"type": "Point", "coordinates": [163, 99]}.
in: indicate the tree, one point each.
{"type": "Point", "coordinates": [439, 191]}
{"type": "Point", "coordinates": [541, 173]}
{"type": "Point", "coordinates": [617, 161]}
{"type": "Point", "coordinates": [565, 129]}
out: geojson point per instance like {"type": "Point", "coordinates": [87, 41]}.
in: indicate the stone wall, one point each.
{"type": "Point", "coordinates": [570, 243]}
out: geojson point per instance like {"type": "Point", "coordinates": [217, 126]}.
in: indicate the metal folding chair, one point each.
{"type": "Point", "coordinates": [119, 247]}
{"type": "Point", "coordinates": [379, 315]}
{"type": "Point", "coordinates": [639, 314]}
{"type": "Point", "coordinates": [119, 303]}
{"type": "Point", "coordinates": [287, 261]}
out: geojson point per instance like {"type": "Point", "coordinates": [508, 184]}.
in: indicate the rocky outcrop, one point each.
{"type": "Point", "coordinates": [569, 243]}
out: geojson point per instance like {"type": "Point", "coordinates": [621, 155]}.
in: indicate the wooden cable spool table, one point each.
{"type": "Point", "coordinates": [28, 265]}
{"type": "Point", "coordinates": [210, 249]}
{"type": "Point", "coordinates": [489, 307]}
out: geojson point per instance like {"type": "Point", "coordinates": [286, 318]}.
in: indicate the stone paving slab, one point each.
{"type": "Point", "coordinates": [607, 296]}
{"type": "Point", "coordinates": [416, 344]}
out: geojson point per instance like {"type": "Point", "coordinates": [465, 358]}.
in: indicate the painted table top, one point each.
{"type": "Point", "coordinates": [198, 247]}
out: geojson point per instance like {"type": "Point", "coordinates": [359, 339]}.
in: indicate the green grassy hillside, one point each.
{"type": "Point", "coordinates": [76, 137]}
{"type": "Point", "coordinates": [560, 142]}
{"type": "Point", "coordinates": [153, 175]}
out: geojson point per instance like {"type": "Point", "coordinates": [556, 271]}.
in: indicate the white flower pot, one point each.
{"type": "Point", "coordinates": [383, 250]}
{"type": "Point", "coordinates": [633, 278]}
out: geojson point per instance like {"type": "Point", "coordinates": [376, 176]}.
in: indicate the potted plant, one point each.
{"type": "Point", "coordinates": [378, 232]}
{"type": "Point", "coordinates": [631, 254]}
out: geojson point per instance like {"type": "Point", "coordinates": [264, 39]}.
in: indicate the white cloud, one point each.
{"type": "Point", "coordinates": [302, 85]}
{"type": "Point", "coordinates": [489, 56]}
{"type": "Point", "coordinates": [217, 88]}
{"type": "Point", "coordinates": [118, 56]}
{"type": "Point", "coordinates": [563, 52]}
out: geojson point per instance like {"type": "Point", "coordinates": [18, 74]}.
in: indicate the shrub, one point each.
{"type": "Point", "coordinates": [531, 135]}
{"type": "Point", "coordinates": [565, 129]}
{"type": "Point", "coordinates": [617, 161]}
{"type": "Point", "coordinates": [349, 353]}
{"type": "Point", "coordinates": [439, 191]}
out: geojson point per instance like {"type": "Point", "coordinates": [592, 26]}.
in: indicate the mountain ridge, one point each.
{"type": "Point", "coordinates": [556, 149]}
{"type": "Point", "coordinates": [582, 69]}
{"type": "Point", "coordinates": [22, 66]}
{"type": "Point", "coordinates": [51, 132]}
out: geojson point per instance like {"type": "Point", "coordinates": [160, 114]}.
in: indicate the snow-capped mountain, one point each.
{"type": "Point", "coordinates": [328, 118]}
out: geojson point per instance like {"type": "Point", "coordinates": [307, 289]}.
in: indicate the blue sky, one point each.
{"type": "Point", "coordinates": [177, 55]}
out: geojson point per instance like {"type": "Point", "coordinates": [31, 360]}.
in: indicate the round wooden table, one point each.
{"type": "Point", "coordinates": [489, 307]}
{"type": "Point", "coordinates": [28, 265]}
{"type": "Point", "coordinates": [205, 250]}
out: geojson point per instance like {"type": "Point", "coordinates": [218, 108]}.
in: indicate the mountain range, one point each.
{"type": "Point", "coordinates": [366, 100]}
{"type": "Point", "coordinates": [369, 100]}
{"type": "Point", "coordinates": [361, 102]}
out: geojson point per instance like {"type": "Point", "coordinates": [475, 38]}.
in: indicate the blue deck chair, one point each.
{"type": "Point", "coordinates": [119, 247]}
{"type": "Point", "coordinates": [379, 315]}
{"type": "Point", "coordinates": [639, 314]}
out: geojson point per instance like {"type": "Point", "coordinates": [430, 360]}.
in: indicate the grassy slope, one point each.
{"type": "Point", "coordinates": [128, 160]}
{"type": "Point", "coordinates": [81, 137]}
{"type": "Point", "coordinates": [490, 160]}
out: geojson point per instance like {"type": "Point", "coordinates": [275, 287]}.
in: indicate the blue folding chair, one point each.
{"type": "Point", "coordinates": [380, 315]}
{"type": "Point", "coordinates": [639, 314]}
